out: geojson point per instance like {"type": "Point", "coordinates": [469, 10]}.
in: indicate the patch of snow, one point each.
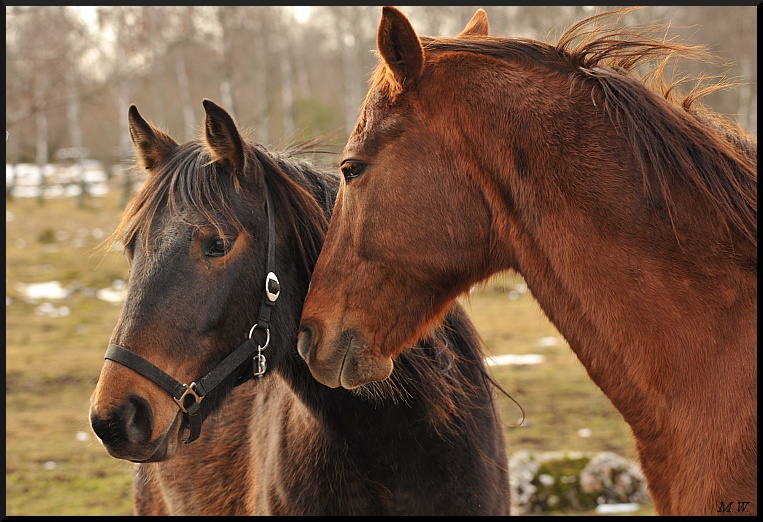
{"type": "Point", "coordinates": [607, 509]}
{"type": "Point", "coordinates": [545, 342]}
{"type": "Point", "coordinates": [51, 310]}
{"type": "Point", "coordinates": [47, 290]}
{"type": "Point", "coordinates": [511, 358]}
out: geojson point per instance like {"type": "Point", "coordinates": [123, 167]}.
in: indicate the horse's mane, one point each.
{"type": "Point", "coordinates": [673, 136]}
{"type": "Point", "coordinates": [189, 179]}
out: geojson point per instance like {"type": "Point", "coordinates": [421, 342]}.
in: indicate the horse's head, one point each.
{"type": "Point", "coordinates": [396, 253]}
{"type": "Point", "coordinates": [195, 237]}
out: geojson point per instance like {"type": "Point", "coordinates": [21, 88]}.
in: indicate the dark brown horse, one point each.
{"type": "Point", "coordinates": [631, 215]}
{"type": "Point", "coordinates": [222, 240]}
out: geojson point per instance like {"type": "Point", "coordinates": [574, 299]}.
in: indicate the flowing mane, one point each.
{"type": "Point", "coordinates": [671, 134]}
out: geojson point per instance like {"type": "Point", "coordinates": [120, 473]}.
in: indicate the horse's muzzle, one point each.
{"type": "Point", "coordinates": [346, 362]}
{"type": "Point", "coordinates": [125, 432]}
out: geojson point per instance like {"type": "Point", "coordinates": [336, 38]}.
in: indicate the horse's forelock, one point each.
{"type": "Point", "coordinates": [189, 180]}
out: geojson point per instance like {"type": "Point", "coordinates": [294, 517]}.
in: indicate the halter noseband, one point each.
{"type": "Point", "coordinates": [189, 396]}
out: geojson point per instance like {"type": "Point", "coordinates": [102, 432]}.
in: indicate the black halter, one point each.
{"type": "Point", "coordinates": [189, 396]}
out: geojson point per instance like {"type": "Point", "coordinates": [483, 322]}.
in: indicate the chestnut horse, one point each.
{"type": "Point", "coordinates": [222, 240]}
{"type": "Point", "coordinates": [631, 215]}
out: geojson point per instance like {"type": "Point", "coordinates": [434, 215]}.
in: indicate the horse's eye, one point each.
{"type": "Point", "coordinates": [352, 169]}
{"type": "Point", "coordinates": [219, 246]}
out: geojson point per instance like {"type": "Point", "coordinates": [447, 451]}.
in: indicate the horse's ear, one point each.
{"type": "Point", "coordinates": [399, 46]}
{"type": "Point", "coordinates": [152, 145]}
{"type": "Point", "coordinates": [477, 26]}
{"type": "Point", "coordinates": [222, 137]}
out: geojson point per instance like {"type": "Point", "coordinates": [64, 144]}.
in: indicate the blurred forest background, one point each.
{"type": "Point", "coordinates": [287, 73]}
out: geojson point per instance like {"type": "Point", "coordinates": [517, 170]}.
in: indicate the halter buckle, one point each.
{"type": "Point", "coordinates": [189, 390]}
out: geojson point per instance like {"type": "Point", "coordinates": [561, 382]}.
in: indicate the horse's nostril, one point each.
{"type": "Point", "coordinates": [131, 423]}
{"type": "Point", "coordinates": [304, 341]}
{"type": "Point", "coordinates": [100, 428]}
{"type": "Point", "coordinates": [138, 420]}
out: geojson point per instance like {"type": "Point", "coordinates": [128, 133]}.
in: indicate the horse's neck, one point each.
{"type": "Point", "coordinates": [324, 193]}
{"type": "Point", "coordinates": [675, 354]}
{"type": "Point", "coordinates": [197, 480]}
{"type": "Point", "coordinates": [625, 290]}
{"type": "Point", "coordinates": [657, 310]}
{"type": "Point", "coordinates": [610, 259]}
{"type": "Point", "coordinates": [334, 412]}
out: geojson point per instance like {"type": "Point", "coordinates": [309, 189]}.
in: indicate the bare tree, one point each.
{"type": "Point", "coordinates": [274, 74]}
{"type": "Point", "coordinates": [75, 130]}
{"type": "Point", "coordinates": [42, 154]}
{"type": "Point", "coordinates": [353, 30]}
{"type": "Point", "coordinates": [229, 20]}
{"type": "Point", "coordinates": [135, 47]}
{"type": "Point", "coordinates": [42, 55]}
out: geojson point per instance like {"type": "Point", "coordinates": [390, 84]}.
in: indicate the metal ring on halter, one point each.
{"type": "Point", "coordinates": [267, 338]}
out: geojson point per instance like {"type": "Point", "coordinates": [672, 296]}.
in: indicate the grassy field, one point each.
{"type": "Point", "coordinates": [54, 353]}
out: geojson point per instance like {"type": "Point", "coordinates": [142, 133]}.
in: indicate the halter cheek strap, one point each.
{"type": "Point", "coordinates": [189, 396]}
{"type": "Point", "coordinates": [272, 289]}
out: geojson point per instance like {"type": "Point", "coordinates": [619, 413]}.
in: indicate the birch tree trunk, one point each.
{"type": "Point", "coordinates": [184, 88]}
{"type": "Point", "coordinates": [75, 133]}
{"type": "Point", "coordinates": [125, 143]}
{"type": "Point", "coordinates": [42, 155]}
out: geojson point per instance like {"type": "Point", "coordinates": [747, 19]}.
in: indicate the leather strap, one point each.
{"type": "Point", "coordinates": [272, 286]}
{"type": "Point", "coordinates": [145, 368]}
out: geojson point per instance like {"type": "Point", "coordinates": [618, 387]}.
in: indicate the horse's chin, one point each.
{"type": "Point", "coordinates": [365, 368]}
{"type": "Point", "coordinates": [347, 363]}
{"type": "Point", "coordinates": [159, 450]}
